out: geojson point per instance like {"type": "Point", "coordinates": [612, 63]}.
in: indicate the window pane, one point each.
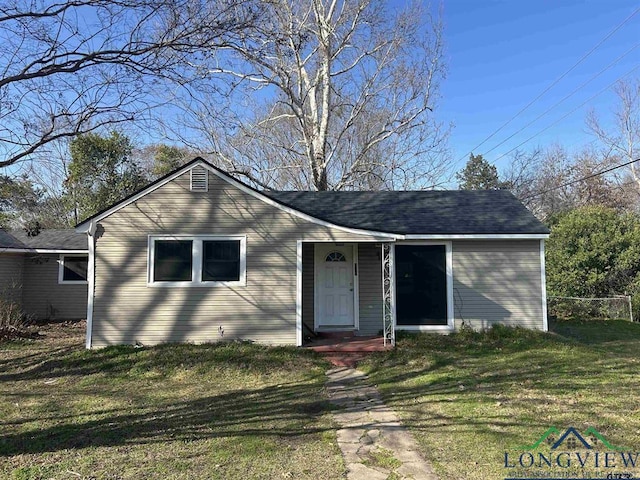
{"type": "Point", "coordinates": [221, 260]}
{"type": "Point", "coordinates": [75, 269]}
{"type": "Point", "coordinates": [335, 257]}
{"type": "Point", "coordinates": [421, 285]}
{"type": "Point", "coordinates": [172, 261]}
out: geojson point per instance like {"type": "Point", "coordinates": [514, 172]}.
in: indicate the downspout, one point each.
{"type": "Point", "coordinates": [91, 280]}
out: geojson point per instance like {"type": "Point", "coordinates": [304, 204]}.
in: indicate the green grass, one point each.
{"type": "Point", "coordinates": [383, 458]}
{"type": "Point", "coordinates": [244, 411]}
{"type": "Point", "coordinates": [469, 397]}
{"type": "Point", "coordinates": [174, 411]}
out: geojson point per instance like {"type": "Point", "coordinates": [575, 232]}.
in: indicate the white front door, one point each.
{"type": "Point", "coordinates": [334, 286]}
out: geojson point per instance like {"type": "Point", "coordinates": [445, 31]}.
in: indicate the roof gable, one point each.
{"type": "Point", "coordinates": [85, 225]}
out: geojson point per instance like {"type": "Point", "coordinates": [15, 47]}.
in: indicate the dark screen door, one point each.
{"type": "Point", "coordinates": [421, 285]}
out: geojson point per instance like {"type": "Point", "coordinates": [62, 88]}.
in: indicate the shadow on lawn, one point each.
{"type": "Point", "coordinates": [162, 359]}
{"type": "Point", "coordinates": [285, 410]}
{"type": "Point", "coordinates": [507, 368]}
{"type": "Point", "coordinates": [599, 333]}
{"type": "Point", "coordinates": [32, 360]}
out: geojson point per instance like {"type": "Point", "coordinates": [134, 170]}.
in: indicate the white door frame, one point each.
{"type": "Point", "coordinates": [355, 272]}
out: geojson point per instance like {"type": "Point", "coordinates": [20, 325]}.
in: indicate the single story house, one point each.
{"type": "Point", "coordinates": [45, 274]}
{"type": "Point", "coordinates": [199, 256]}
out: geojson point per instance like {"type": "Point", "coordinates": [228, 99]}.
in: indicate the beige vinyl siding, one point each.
{"type": "Point", "coordinates": [308, 287]}
{"type": "Point", "coordinates": [370, 286]}
{"type": "Point", "coordinates": [497, 281]}
{"type": "Point", "coordinates": [11, 267]}
{"type": "Point", "coordinates": [42, 295]}
{"type": "Point", "coordinates": [127, 310]}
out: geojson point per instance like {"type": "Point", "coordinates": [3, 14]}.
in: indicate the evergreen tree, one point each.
{"type": "Point", "coordinates": [478, 174]}
{"type": "Point", "coordinates": [101, 172]}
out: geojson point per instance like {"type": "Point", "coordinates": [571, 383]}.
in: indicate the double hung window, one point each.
{"type": "Point", "coordinates": [197, 260]}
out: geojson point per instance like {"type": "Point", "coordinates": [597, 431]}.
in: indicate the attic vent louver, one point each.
{"type": "Point", "coordinates": [199, 179]}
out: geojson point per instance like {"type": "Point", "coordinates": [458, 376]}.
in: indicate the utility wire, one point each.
{"type": "Point", "coordinates": [554, 83]}
{"type": "Point", "coordinates": [567, 114]}
{"type": "Point", "coordinates": [565, 98]}
{"type": "Point", "coordinates": [582, 179]}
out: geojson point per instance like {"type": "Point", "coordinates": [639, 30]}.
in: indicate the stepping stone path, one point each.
{"type": "Point", "coordinates": [374, 443]}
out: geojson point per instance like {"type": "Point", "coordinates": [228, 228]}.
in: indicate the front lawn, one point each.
{"type": "Point", "coordinates": [245, 411]}
{"type": "Point", "coordinates": [470, 397]}
{"type": "Point", "coordinates": [175, 411]}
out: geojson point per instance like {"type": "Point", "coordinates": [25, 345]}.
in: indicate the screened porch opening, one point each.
{"type": "Point", "coordinates": [421, 285]}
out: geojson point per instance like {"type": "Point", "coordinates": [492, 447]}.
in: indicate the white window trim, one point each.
{"type": "Point", "coordinates": [196, 271]}
{"type": "Point", "coordinates": [61, 260]}
{"type": "Point", "coordinates": [450, 326]}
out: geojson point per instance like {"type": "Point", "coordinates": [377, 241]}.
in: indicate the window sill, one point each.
{"type": "Point", "coordinates": [73, 282]}
{"type": "Point", "coordinates": [195, 284]}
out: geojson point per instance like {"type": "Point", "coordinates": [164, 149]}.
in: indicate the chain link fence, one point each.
{"type": "Point", "coordinates": [605, 308]}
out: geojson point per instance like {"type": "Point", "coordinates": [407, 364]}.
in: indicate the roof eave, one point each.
{"type": "Point", "coordinates": [476, 236]}
{"type": "Point", "coordinates": [44, 250]}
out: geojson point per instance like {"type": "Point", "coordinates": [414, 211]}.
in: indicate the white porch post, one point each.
{"type": "Point", "coordinates": [389, 293]}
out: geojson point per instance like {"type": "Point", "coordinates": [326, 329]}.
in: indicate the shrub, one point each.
{"type": "Point", "coordinates": [13, 321]}
{"type": "Point", "coordinates": [595, 252]}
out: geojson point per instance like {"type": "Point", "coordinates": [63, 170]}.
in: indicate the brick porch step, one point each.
{"type": "Point", "coordinates": [341, 359]}
{"type": "Point", "coordinates": [346, 352]}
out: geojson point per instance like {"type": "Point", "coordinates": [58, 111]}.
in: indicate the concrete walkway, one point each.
{"type": "Point", "coordinates": [375, 445]}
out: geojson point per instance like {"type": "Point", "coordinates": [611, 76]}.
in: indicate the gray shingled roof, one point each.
{"type": "Point", "coordinates": [421, 212]}
{"type": "Point", "coordinates": [54, 239]}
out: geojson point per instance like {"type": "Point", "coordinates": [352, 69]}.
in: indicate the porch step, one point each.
{"type": "Point", "coordinates": [346, 352]}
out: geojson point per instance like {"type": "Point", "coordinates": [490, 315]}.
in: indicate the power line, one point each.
{"type": "Point", "coordinates": [567, 114]}
{"type": "Point", "coordinates": [554, 83]}
{"type": "Point", "coordinates": [582, 179]}
{"type": "Point", "coordinates": [565, 98]}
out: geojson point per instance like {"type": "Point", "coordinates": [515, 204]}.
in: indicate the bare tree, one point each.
{"type": "Point", "coordinates": [68, 68]}
{"type": "Point", "coordinates": [623, 139]}
{"type": "Point", "coordinates": [552, 181]}
{"type": "Point", "coordinates": [520, 176]}
{"type": "Point", "coordinates": [538, 179]}
{"type": "Point", "coordinates": [342, 92]}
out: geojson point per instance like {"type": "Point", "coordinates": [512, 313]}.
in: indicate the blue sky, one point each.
{"type": "Point", "coordinates": [504, 53]}
{"type": "Point", "coordinates": [501, 54]}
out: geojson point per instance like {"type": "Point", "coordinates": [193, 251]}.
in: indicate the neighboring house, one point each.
{"type": "Point", "coordinates": [46, 274]}
{"type": "Point", "coordinates": [198, 256]}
